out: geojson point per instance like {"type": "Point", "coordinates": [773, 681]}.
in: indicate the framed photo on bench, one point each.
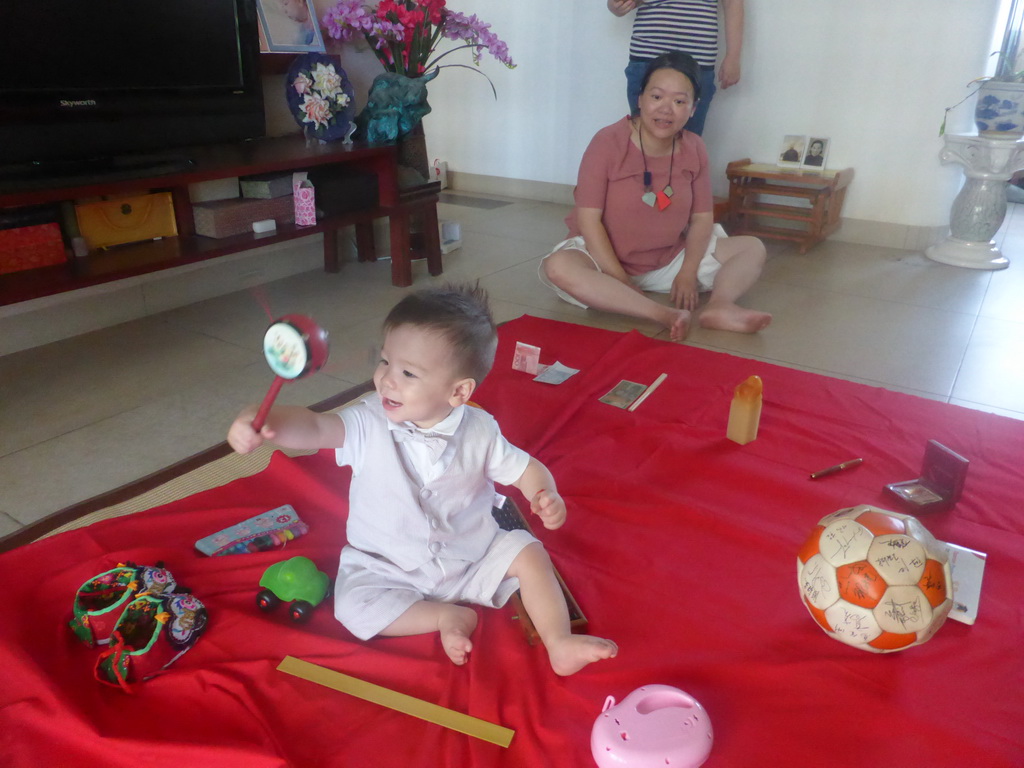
{"type": "Point", "coordinates": [792, 152]}
{"type": "Point", "coordinates": [816, 154]}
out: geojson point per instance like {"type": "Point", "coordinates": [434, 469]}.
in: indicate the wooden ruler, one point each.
{"type": "Point", "coordinates": [410, 705]}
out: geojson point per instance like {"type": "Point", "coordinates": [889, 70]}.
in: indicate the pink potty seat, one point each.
{"type": "Point", "coordinates": [656, 725]}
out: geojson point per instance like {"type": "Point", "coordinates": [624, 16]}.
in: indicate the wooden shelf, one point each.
{"type": "Point", "coordinates": [789, 212]}
{"type": "Point", "coordinates": [824, 192]}
{"type": "Point", "coordinates": [284, 154]}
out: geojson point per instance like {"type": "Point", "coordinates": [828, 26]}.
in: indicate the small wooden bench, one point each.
{"type": "Point", "coordinates": [413, 230]}
{"type": "Point", "coordinates": [819, 217]}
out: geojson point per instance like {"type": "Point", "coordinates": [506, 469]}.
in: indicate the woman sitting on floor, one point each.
{"type": "Point", "coordinates": [643, 219]}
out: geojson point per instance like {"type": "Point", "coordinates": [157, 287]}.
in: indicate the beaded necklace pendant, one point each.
{"type": "Point", "coordinates": [663, 199]}
{"type": "Point", "coordinates": [648, 196]}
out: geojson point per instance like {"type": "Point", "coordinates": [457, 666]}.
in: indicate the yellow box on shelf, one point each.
{"type": "Point", "coordinates": [126, 220]}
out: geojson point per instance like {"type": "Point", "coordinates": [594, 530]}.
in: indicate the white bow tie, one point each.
{"type": "Point", "coordinates": [435, 441]}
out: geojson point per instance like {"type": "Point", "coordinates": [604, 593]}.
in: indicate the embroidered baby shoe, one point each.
{"type": "Point", "coordinates": [152, 632]}
{"type": "Point", "coordinates": [101, 600]}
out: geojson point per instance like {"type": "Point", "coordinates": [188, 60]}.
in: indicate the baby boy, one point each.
{"type": "Point", "coordinates": [421, 537]}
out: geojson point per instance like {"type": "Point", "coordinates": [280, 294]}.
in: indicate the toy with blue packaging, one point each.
{"type": "Point", "coordinates": [269, 530]}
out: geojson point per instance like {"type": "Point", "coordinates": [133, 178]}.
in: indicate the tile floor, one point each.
{"type": "Point", "coordinates": [84, 415]}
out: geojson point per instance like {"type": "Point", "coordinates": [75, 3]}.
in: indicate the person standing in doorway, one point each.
{"type": "Point", "coordinates": [691, 26]}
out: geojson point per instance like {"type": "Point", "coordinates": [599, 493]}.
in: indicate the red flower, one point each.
{"type": "Point", "coordinates": [434, 10]}
{"type": "Point", "coordinates": [385, 7]}
{"type": "Point", "coordinates": [410, 19]}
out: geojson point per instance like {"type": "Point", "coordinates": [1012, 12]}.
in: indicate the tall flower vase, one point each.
{"type": "Point", "coordinates": [413, 167]}
{"type": "Point", "coordinates": [394, 112]}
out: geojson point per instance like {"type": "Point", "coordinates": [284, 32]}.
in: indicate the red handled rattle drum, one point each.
{"type": "Point", "coordinates": [294, 346]}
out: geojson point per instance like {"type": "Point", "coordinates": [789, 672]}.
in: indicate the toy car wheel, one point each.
{"type": "Point", "coordinates": [267, 600]}
{"type": "Point", "coordinates": [301, 610]}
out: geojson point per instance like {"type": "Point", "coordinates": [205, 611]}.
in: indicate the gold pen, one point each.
{"type": "Point", "coordinates": [836, 468]}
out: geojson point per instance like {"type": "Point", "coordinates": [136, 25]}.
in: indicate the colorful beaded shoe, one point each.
{"type": "Point", "coordinates": [100, 601]}
{"type": "Point", "coordinates": [152, 632]}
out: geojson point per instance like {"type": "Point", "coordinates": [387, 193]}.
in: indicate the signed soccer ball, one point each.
{"type": "Point", "coordinates": [874, 579]}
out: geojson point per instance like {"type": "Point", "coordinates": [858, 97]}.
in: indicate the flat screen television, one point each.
{"type": "Point", "coordinates": [88, 84]}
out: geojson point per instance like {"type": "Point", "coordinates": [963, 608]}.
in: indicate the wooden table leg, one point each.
{"type": "Point", "coordinates": [366, 247]}
{"type": "Point", "coordinates": [401, 257]}
{"type": "Point", "coordinates": [815, 233]}
{"type": "Point", "coordinates": [432, 239]}
{"type": "Point", "coordinates": [331, 262]}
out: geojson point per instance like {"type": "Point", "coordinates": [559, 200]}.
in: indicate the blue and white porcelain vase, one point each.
{"type": "Point", "coordinates": [999, 112]}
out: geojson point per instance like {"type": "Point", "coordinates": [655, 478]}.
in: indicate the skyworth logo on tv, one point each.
{"type": "Point", "coordinates": [77, 103]}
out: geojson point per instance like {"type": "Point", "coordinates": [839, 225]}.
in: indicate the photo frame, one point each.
{"type": "Point", "coordinates": [791, 154]}
{"type": "Point", "coordinates": [816, 154]}
{"type": "Point", "coordinates": [289, 26]}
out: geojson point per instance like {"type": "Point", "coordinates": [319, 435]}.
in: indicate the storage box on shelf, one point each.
{"type": "Point", "coordinates": [108, 223]}
{"type": "Point", "coordinates": [809, 223]}
{"type": "Point", "coordinates": [225, 218]}
{"type": "Point", "coordinates": [31, 247]}
{"type": "Point", "coordinates": [264, 186]}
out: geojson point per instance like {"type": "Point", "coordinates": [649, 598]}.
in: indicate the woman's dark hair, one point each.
{"type": "Point", "coordinates": [460, 313]}
{"type": "Point", "coordinates": [680, 62]}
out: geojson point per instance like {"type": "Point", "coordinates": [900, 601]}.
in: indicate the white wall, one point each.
{"type": "Point", "coordinates": [874, 76]}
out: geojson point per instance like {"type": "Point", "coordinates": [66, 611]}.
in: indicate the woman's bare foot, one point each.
{"type": "Point", "coordinates": [678, 323]}
{"type": "Point", "coordinates": [725, 316]}
{"type": "Point", "coordinates": [456, 623]}
{"type": "Point", "coordinates": [572, 653]}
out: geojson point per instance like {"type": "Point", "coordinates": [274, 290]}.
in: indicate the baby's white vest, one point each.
{"type": "Point", "coordinates": [450, 517]}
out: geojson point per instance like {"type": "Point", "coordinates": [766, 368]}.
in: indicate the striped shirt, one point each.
{"type": "Point", "coordinates": [690, 26]}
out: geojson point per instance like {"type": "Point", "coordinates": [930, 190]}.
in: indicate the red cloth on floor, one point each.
{"type": "Point", "coordinates": [680, 545]}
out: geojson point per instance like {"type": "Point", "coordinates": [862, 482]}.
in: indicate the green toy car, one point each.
{"type": "Point", "coordinates": [297, 581]}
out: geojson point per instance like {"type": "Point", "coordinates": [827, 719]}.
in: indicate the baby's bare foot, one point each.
{"type": "Point", "coordinates": [456, 624]}
{"type": "Point", "coordinates": [573, 652]}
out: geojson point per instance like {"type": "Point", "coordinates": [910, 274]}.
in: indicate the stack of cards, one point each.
{"type": "Point", "coordinates": [624, 393]}
{"type": "Point", "coordinates": [629, 394]}
{"type": "Point", "coordinates": [556, 373]}
{"type": "Point", "coordinates": [527, 359]}
{"type": "Point", "coordinates": [968, 567]}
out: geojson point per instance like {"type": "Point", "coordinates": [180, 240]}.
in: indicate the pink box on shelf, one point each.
{"type": "Point", "coordinates": [305, 204]}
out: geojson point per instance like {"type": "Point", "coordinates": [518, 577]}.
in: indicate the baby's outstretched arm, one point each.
{"type": "Point", "coordinates": [287, 426]}
{"type": "Point", "coordinates": [538, 485]}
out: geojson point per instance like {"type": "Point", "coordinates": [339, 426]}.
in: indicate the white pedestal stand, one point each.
{"type": "Point", "coordinates": [978, 211]}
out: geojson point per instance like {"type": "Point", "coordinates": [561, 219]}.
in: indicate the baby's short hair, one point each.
{"type": "Point", "coordinates": [460, 313]}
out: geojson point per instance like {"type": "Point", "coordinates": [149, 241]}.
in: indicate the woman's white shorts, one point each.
{"type": "Point", "coordinates": [656, 281]}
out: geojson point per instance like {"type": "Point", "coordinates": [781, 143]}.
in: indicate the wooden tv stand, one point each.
{"type": "Point", "coordinates": [283, 154]}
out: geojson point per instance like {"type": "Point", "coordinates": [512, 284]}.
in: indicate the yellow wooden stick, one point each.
{"type": "Point", "coordinates": [410, 705]}
{"type": "Point", "coordinates": [647, 392]}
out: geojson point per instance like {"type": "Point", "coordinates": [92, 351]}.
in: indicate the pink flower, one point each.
{"type": "Point", "coordinates": [469, 29]}
{"type": "Point", "coordinates": [302, 83]}
{"type": "Point", "coordinates": [315, 109]}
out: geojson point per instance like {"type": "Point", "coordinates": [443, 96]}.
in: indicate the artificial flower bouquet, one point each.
{"type": "Point", "coordinates": [404, 34]}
